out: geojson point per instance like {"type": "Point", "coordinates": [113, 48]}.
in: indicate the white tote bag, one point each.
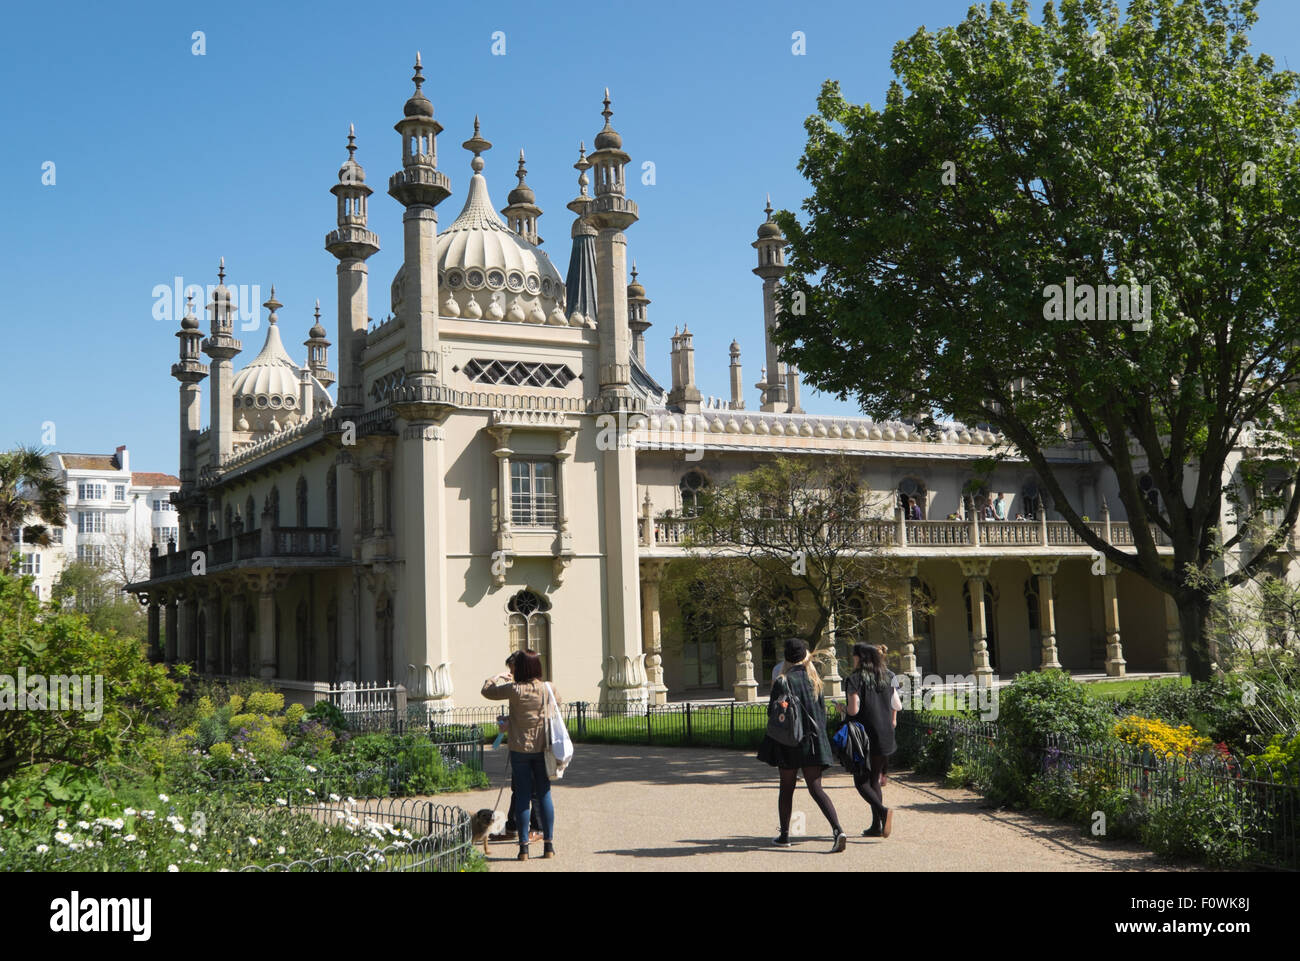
{"type": "Point", "coordinates": [559, 749]}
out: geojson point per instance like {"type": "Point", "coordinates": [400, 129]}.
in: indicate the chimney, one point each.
{"type": "Point", "coordinates": [123, 458]}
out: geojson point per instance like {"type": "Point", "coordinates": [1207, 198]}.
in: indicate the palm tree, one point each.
{"type": "Point", "coordinates": [28, 488]}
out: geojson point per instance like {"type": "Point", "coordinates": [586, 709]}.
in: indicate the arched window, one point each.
{"type": "Point", "coordinates": [1035, 500]}
{"type": "Point", "coordinates": [230, 519]}
{"type": "Point", "coordinates": [692, 486]}
{"type": "Point", "coordinates": [332, 498]}
{"type": "Point", "coordinates": [912, 498]}
{"type": "Point", "coordinates": [530, 626]}
{"type": "Point", "coordinates": [302, 501]}
{"type": "Point", "coordinates": [273, 506]}
{"type": "Point", "coordinates": [923, 626]}
{"type": "Point", "coordinates": [1033, 610]}
{"type": "Point", "coordinates": [975, 499]}
{"type": "Point", "coordinates": [250, 514]}
{"type": "Point", "coordinates": [990, 619]}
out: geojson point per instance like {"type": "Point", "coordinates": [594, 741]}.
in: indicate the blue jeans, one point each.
{"type": "Point", "coordinates": [529, 771]}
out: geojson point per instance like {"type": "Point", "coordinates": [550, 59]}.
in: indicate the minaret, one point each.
{"type": "Point", "coordinates": [737, 380]}
{"type": "Point", "coordinates": [611, 213]}
{"type": "Point", "coordinates": [352, 243]}
{"type": "Point", "coordinates": [522, 211]}
{"type": "Point", "coordinates": [580, 282]}
{"type": "Point", "coordinates": [221, 346]}
{"type": "Point", "coordinates": [792, 390]}
{"type": "Point", "coordinates": [420, 187]}
{"type": "Point", "coordinates": [189, 371]}
{"type": "Point", "coordinates": [771, 266]}
{"type": "Point", "coordinates": [637, 302]}
{"type": "Point", "coordinates": [318, 349]}
{"type": "Point", "coordinates": [685, 394]}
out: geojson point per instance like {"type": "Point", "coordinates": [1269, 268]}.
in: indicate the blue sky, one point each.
{"type": "Point", "coordinates": [166, 161]}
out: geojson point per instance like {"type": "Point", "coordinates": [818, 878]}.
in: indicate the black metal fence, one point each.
{"type": "Point", "coordinates": [442, 838]}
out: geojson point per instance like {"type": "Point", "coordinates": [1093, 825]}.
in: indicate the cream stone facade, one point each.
{"type": "Point", "coordinates": [462, 495]}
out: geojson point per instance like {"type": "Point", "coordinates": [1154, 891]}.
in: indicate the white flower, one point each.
{"type": "Point", "coordinates": [63, 825]}
{"type": "Point", "coordinates": [311, 792]}
{"type": "Point", "coordinates": [83, 825]}
{"type": "Point", "coordinates": [311, 769]}
{"type": "Point", "coordinates": [281, 801]}
{"type": "Point", "coordinates": [42, 848]}
{"type": "Point", "coordinates": [280, 849]}
{"type": "Point", "coordinates": [334, 797]}
{"type": "Point", "coordinates": [63, 837]}
{"type": "Point", "coordinates": [164, 798]}
{"type": "Point", "coordinates": [129, 812]}
{"type": "Point", "coordinates": [147, 815]}
{"type": "Point", "coordinates": [129, 837]}
{"type": "Point", "coordinates": [267, 780]}
{"type": "Point", "coordinates": [173, 869]}
{"type": "Point", "coordinates": [178, 828]}
{"type": "Point", "coordinates": [252, 840]}
{"type": "Point", "coordinates": [193, 846]}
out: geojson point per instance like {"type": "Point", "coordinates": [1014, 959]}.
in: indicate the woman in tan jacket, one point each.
{"type": "Point", "coordinates": [528, 697]}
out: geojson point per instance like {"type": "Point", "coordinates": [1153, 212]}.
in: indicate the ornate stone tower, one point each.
{"type": "Point", "coordinates": [580, 283]}
{"type": "Point", "coordinates": [637, 302]}
{"type": "Point", "coordinates": [318, 349]}
{"type": "Point", "coordinates": [521, 212]}
{"type": "Point", "coordinates": [611, 213]}
{"type": "Point", "coordinates": [421, 645]}
{"type": "Point", "coordinates": [352, 243]}
{"type": "Point", "coordinates": [771, 266]}
{"type": "Point", "coordinates": [419, 187]}
{"type": "Point", "coordinates": [737, 379]}
{"type": "Point", "coordinates": [221, 346]}
{"type": "Point", "coordinates": [189, 371]}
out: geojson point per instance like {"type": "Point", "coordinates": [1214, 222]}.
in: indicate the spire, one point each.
{"type": "Point", "coordinates": [737, 379]}
{"type": "Point", "coordinates": [637, 302]}
{"type": "Point", "coordinates": [477, 145]}
{"type": "Point", "coordinates": [352, 140]}
{"type": "Point", "coordinates": [580, 283]}
{"type": "Point", "coordinates": [779, 389]}
{"type": "Point", "coordinates": [318, 351]}
{"type": "Point", "coordinates": [418, 105]}
{"type": "Point", "coordinates": [521, 212]}
{"type": "Point", "coordinates": [272, 305]}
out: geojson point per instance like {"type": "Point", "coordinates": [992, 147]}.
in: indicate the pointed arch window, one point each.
{"type": "Point", "coordinates": [990, 619]}
{"type": "Point", "coordinates": [302, 501]}
{"type": "Point", "coordinates": [692, 486]}
{"type": "Point", "coordinates": [332, 498]}
{"type": "Point", "coordinates": [912, 498]}
{"type": "Point", "coordinates": [530, 626]}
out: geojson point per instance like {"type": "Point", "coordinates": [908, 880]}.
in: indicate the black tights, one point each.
{"type": "Point", "coordinates": [812, 776]}
{"type": "Point", "coordinates": [868, 784]}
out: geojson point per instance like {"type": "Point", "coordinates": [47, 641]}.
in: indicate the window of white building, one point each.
{"type": "Point", "coordinates": [56, 535]}
{"type": "Point", "coordinates": [91, 554]}
{"type": "Point", "coordinates": [532, 493]}
{"type": "Point", "coordinates": [31, 564]}
{"type": "Point", "coordinates": [119, 492]}
{"type": "Point", "coordinates": [91, 522]}
{"type": "Point", "coordinates": [89, 491]}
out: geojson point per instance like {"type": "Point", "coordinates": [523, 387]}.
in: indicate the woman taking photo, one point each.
{"type": "Point", "coordinates": [799, 679]}
{"type": "Point", "coordinates": [530, 705]}
{"type": "Point", "coordinates": [874, 703]}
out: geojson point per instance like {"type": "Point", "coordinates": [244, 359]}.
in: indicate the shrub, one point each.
{"type": "Point", "coordinates": [1161, 738]}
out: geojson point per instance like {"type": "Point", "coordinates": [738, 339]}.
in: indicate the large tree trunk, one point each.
{"type": "Point", "coordinates": [1194, 620]}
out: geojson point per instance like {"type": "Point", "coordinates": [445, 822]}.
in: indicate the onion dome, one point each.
{"type": "Point", "coordinates": [270, 385]}
{"type": "Point", "coordinates": [351, 172]}
{"type": "Point", "coordinates": [768, 228]}
{"type": "Point", "coordinates": [419, 105]}
{"type": "Point", "coordinates": [522, 194]}
{"type": "Point", "coordinates": [189, 321]}
{"type": "Point", "coordinates": [634, 289]}
{"type": "Point", "coordinates": [608, 138]}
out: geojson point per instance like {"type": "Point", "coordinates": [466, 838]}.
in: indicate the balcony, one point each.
{"type": "Point", "coordinates": [666, 532]}
{"type": "Point", "coordinates": [255, 548]}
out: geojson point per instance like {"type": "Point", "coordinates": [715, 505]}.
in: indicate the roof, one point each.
{"type": "Point", "coordinates": [89, 462]}
{"type": "Point", "coordinates": [154, 479]}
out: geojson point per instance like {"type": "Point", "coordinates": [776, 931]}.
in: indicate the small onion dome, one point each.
{"type": "Point", "coordinates": [635, 289]}
{"type": "Point", "coordinates": [317, 332]}
{"type": "Point", "coordinates": [768, 228]}
{"type": "Point", "coordinates": [608, 137]}
{"type": "Point", "coordinates": [351, 172]}
{"type": "Point", "coordinates": [522, 194]}
{"type": "Point", "coordinates": [189, 321]}
{"type": "Point", "coordinates": [418, 105]}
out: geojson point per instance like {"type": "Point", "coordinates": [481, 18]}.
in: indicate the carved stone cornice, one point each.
{"type": "Point", "coordinates": [974, 566]}
{"type": "Point", "coordinates": [1044, 566]}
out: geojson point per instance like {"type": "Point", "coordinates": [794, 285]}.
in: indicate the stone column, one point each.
{"type": "Point", "coordinates": [976, 573]}
{"type": "Point", "coordinates": [746, 687]}
{"type": "Point", "coordinates": [185, 628]}
{"type": "Point", "coordinates": [902, 633]}
{"type": "Point", "coordinates": [1045, 568]}
{"type": "Point", "coordinates": [651, 631]}
{"type": "Point", "coordinates": [238, 635]}
{"type": "Point", "coordinates": [833, 681]}
{"type": "Point", "coordinates": [1174, 659]}
{"type": "Point", "coordinates": [1115, 663]}
{"type": "Point", "coordinates": [172, 629]}
{"type": "Point", "coordinates": [265, 661]}
{"type": "Point", "coordinates": [562, 455]}
{"type": "Point", "coordinates": [505, 530]}
{"type": "Point", "coordinates": [155, 629]}
{"type": "Point", "coordinates": [212, 630]}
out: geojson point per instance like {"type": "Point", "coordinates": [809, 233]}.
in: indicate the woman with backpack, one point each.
{"type": "Point", "coordinates": [799, 688]}
{"type": "Point", "coordinates": [531, 702]}
{"type": "Point", "coordinates": [874, 703]}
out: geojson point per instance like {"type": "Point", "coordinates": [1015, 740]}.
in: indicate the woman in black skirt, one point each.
{"type": "Point", "coordinates": [874, 703]}
{"type": "Point", "coordinates": [799, 677]}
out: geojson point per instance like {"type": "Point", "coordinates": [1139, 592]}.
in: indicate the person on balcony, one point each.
{"type": "Point", "coordinates": [999, 508]}
{"type": "Point", "coordinates": [913, 509]}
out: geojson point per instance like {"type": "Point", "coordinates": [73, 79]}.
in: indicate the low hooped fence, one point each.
{"type": "Point", "coordinates": [442, 838]}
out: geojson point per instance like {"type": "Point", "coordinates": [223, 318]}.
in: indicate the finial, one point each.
{"type": "Point", "coordinates": [522, 171]}
{"type": "Point", "coordinates": [221, 270]}
{"type": "Point", "coordinates": [634, 271]}
{"type": "Point", "coordinates": [352, 140]}
{"type": "Point", "coordinates": [272, 305]}
{"type": "Point", "coordinates": [318, 310]}
{"type": "Point", "coordinates": [419, 73]}
{"type": "Point", "coordinates": [476, 145]}
{"type": "Point", "coordinates": [768, 209]}
{"type": "Point", "coordinates": [606, 113]}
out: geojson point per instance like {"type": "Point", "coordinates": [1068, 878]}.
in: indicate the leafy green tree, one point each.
{"type": "Point", "coordinates": [48, 642]}
{"type": "Point", "coordinates": [1013, 159]}
{"type": "Point", "coordinates": [28, 489]}
{"type": "Point", "coordinates": [92, 590]}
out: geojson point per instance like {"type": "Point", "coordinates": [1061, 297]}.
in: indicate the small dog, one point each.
{"type": "Point", "coordinates": [482, 823]}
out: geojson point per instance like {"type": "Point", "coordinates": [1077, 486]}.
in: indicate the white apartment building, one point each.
{"type": "Point", "coordinates": [114, 515]}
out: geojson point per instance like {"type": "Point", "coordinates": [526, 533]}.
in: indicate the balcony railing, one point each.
{"type": "Point", "coordinates": [300, 542]}
{"type": "Point", "coordinates": [876, 532]}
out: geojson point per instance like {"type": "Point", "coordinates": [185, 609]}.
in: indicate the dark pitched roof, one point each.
{"type": "Point", "coordinates": [154, 479]}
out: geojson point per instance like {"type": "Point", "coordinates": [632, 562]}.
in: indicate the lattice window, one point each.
{"type": "Point", "coordinates": [532, 493]}
{"type": "Point", "coordinates": [530, 626]}
{"type": "Point", "coordinates": [383, 388]}
{"type": "Point", "coordinates": [518, 373]}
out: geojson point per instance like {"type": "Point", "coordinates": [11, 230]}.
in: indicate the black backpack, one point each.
{"type": "Point", "coordinates": [785, 715]}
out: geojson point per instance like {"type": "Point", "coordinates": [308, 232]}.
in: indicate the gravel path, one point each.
{"type": "Point", "coordinates": [698, 809]}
